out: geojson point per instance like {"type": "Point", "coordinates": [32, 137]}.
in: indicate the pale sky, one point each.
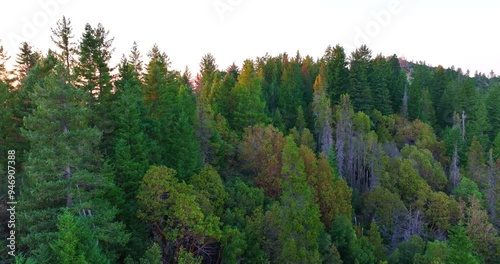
{"type": "Point", "coordinates": [461, 33]}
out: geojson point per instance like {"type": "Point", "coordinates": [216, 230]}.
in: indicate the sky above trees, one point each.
{"type": "Point", "coordinates": [459, 33]}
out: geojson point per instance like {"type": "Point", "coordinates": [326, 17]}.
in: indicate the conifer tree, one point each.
{"type": "Point", "coordinates": [360, 90]}
{"type": "Point", "coordinates": [337, 72]}
{"type": "Point", "coordinates": [300, 215]}
{"type": "Point", "coordinates": [26, 59]}
{"type": "Point", "coordinates": [460, 247]}
{"type": "Point", "coordinates": [93, 75]}
{"type": "Point", "coordinates": [62, 36]}
{"type": "Point", "coordinates": [290, 94]}
{"type": "Point", "coordinates": [75, 242]}
{"type": "Point", "coordinates": [63, 170]}
{"type": "Point", "coordinates": [249, 103]}
{"type": "Point", "coordinates": [379, 81]}
{"type": "Point", "coordinates": [130, 149]}
{"type": "Point", "coordinates": [476, 163]}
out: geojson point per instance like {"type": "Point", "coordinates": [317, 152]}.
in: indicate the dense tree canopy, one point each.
{"type": "Point", "coordinates": [347, 158]}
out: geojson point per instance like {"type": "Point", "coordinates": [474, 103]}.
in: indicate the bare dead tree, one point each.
{"type": "Point", "coordinates": [454, 170]}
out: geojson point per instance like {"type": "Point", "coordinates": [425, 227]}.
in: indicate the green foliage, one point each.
{"type": "Point", "coordinates": [249, 104]}
{"type": "Point", "coordinates": [300, 216]}
{"type": "Point", "coordinates": [379, 80]}
{"type": "Point", "coordinates": [164, 202]}
{"type": "Point", "coordinates": [375, 239]}
{"type": "Point", "coordinates": [331, 194]}
{"type": "Point", "coordinates": [290, 94]}
{"type": "Point", "coordinates": [460, 246]}
{"type": "Point", "coordinates": [337, 72]}
{"type": "Point", "coordinates": [224, 185]}
{"type": "Point", "coordinates": [185, 257]}
{"type": "Point", "coordinates": [210, 193]}
{"type": "Point", "coordinates": [75, 242]}
{"type": "Point", "coordinates": [360, 87]}
{"type": "Point", "coordinates": [466, 188]}
{"type": "Point", "coordinates": [344, 238]}
{"type": "Point", "coordinates": [493, 110]}
{"type": "Point", "coordinates": [407, 252]}
{"type": "Point", "coordinates": [152, 255]}
{"type": "Point", "coordinates": [241, 202]}
{"type": "Point", "coordinates": [63, 169]}
{"type": "Point", "coordinates": [327, 250]}
{"type": "Point", "coordinates": [428, 168]}
{"type": "Point", "coordinates": [435, 252]}
{"type": "Point", "coordinates": [442, 211]}
{"type": "Point", "coordinates": [385, 206]}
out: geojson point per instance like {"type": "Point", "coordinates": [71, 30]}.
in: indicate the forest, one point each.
{"type": "Point", "coordinates": [346, 158]}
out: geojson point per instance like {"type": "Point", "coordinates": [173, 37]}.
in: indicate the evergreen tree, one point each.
{"type": "Point", "coordinates": [63, 170]}
{"type": "Point", "coordinates": [62, 36]}
{"type": "Point", "coordinates": [300, 215]}
{"type": "Point", "coordinates": [376, 240]}
{"type": "Point", "coordinates": [480, 125]}
{"type": "Point", "coordinates": [75, 242]}
{"type": "Point", "coordinates": [493, 110]}
{"type": "Point", "coordinates": [360, 90]}
{"type": "Point", "coordinates": [130, 149]}
{"type": "Point", "coordinates": [208, 70]}
{"type": "Point", "coordinates": [337, 72]}
{"type": "Point", "coordinates": [476, 164]}
{"type": "Point", "coordinates": [344, 238]}
{"type": "Point", "coordinates": [135, 59]}
{"type": "Point", "coordinates": [290, 94]}
{"type": "Point", "coordinates": [396, 83]}
{"type": "Point", "coordinates": [94, 76]}
{"type": "Point", "coordinates": [249, 104]}
{"type": "Point", "coordinates": [460, 246]}
{"type": "Point", "coordinates": [182, 146]}
{"type": "Point", "coordinates": [26, 59]}
{"type": "Point", "coordinates": [380, 90]}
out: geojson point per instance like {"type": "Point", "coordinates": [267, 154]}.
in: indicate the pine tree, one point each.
{"type": "Point", "coordinates": [476, 163]}
{"type": "Point", "coordinates": [300, 215]}
{"type": "Point", "coordinates": [249, 104]}
{"type": "Point", "coordinates": [337, 72]}
{"type": "Point", "coordinates": [480, 125]}
{"type": "Point", "coordinates": [93, 75]}
{"type": "Point", "coordinates": [208, 70]}
{"type": "Point", "coordinates": [26, 59]}
{"type": "Point", "coordinates": [377, 241]}
{"type": "Point", "coordinates": [380, 90]}
{"type": "Point", "coordinates": [160, 93]}
{"type": "Point", "coordinates": [182, 146]}
{"type": "Point", "coordinates": [493, 110]}
{"type": "Point", "coordinates": [290, 94]}
{"type": "Point", "coordinates": [135, 59]}
{"type": "Point", "coordinates": [75, 242]}
{"type": "Point", "coordinates": [460, 247]}
{"type": "Point", "coordinates": [63, 169]}
{"type": "Point", "coordinates": [62, 36]}
{"type": "Point", "coordinates": [396, 83]}
{"type": "Point", "coordinates": [360, 90]}
{"type": "Point", "coordinates": [130, 149]}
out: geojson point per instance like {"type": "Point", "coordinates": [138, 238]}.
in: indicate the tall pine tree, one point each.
{"type": "Point", "coordinates": [64, 170]}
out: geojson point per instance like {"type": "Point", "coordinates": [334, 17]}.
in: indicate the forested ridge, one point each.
{"type": "Point", "coordinates": [347, 158]}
